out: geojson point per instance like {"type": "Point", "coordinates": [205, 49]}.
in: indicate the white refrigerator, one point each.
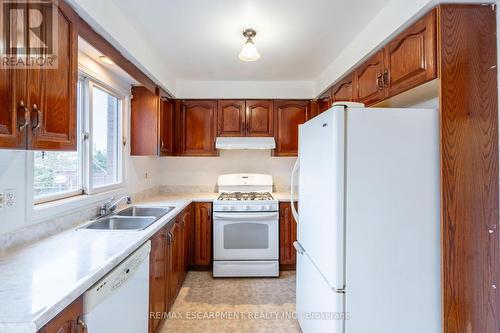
{"type": "Point", "coordinates": [368, 221]}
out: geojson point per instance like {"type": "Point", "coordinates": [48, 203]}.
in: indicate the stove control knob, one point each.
{"type": "Point", "coordinates": [224, 207]}
{"type": "Point", "coordinates": [246, 207]}
{"type": "Point", "coordinates": [262, 207]}
{"type": "Point", "coordinates": [268, 207]}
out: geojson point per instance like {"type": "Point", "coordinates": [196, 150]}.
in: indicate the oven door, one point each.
{"type": "Point", "coordinates": [246, 236]}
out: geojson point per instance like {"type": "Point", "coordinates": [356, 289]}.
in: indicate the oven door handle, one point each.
{"type": "Point", "coordinates": [246, 216]}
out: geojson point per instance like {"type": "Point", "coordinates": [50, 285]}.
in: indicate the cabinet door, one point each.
{"type": "Point", "coordinates": [231, 118]}
{"type": "Point", "coordinates": [13, 111]}
{"type": "Point", "coordinates": [144, 113]}
{"type": "Point", "coordinates": [52, 92]}
{"type": "Point", "coordinates": [289, 115]}
{"type": "Point", "coordinates": [411, 57]}
{"type": "Point", "coordinates": [173, 263]}
{"type": "Point", "coordinates": [203, 234]}
{"type": "Point", "coordinates": [369, 80]}
{"type": "Point", "coordinates": [198, 128]}
{"type": "Point", "coordinates": [288, 234]}
{"type": "Point", "coordinates": [68, 320]}
{"type": "Point", "coordinates": [344, 90]}
{"type": "Point", "coordinates": [325, 101]}
{"type": "Point", "coordinates": [259, 118]}
{"type": "Point", "coordinates": [157, 277]}
{"type": "Point", "coordinates": [188, 240]}
{"type": "Point", "coordinates": [166, 127]}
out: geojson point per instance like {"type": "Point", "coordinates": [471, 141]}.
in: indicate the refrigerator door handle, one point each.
{"type": "Point", "coordinates": [292, 185]}
{"type": "Point", "coordinates": [298, 247]}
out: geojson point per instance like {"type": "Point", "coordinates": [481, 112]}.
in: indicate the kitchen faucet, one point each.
{"type": "Point", "coordinates": [110, 206]}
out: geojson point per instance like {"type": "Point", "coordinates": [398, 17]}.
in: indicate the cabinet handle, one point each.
{"type": "Point", "coordinates": [386, 78]}
{"type": "Point", "coordinates": [38, 117]}
{"type": "Point", "coordinates": [162, 144]}
{"type": "Point", "coordinates": [209, 213]}
{"type": "Point", "coordinates": [23, 124]}
{"type": "Point", "coordinates": [169, 238]}
{"type": "Point", "coordinates": [82, 327]}
{"type": "Point", "coordinates": [379, 82]}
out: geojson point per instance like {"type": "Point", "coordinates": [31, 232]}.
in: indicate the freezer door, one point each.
{"type": "Point", "coordinates": [321, 193]}
{"type": "Point", "coordinates": [319, 308]}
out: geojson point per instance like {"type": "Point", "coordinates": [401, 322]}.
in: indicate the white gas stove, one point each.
{"type": "Point", "coordinates": [246, 230]}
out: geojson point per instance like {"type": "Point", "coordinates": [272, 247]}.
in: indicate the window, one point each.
{"type": "Point", "coordinates": [97, 164]}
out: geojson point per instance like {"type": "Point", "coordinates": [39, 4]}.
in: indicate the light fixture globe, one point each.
{"type": "Point", "coordinates": [249, 51]}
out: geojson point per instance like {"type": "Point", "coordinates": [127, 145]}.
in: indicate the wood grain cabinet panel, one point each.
{"type": "Point", "coordinates": [259, 118]}
{"type": "Point", "coordinates": [369, 80]}
{"type": "Point", "coordinates": [173, 263]}
{"type": "Point", "coordinates": [13, 111]}
{"type": "Point", "coordinates": [288, 235]}
{"type": "Point", "coordinates": [166, 126]}
{"type": "Point", "coordinates": [203, 234]}
{"type": "Point", "coordinates": [343, 91]}
{"type": "Point", "coordinates": [144, 113]}
{"type": "Point", "coordinates": [68, 320]}
{"type": "Point", "coordinates": [231, 118]}
{"type": "Point", "coordinates": [51, 93]}
{"type": "Point", "coordinates": [157, 277]}
{"type": "Point", "coordinates": [198, 127]}
{"type": "Point", "coordinates": [289, 115]}
{"type": "Point", "coordinates": [325, 101]}
{"type": "Point", "coordinates": [411, 56]}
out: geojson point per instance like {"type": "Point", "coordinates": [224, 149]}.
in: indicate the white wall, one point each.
{"type": "Point", "coordinates": [203, 171]}
{"type": "Point", "coordinates": [245, 89]}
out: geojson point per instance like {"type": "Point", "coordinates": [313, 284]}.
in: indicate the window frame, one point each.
{"type": "Point", "coordinates": [89, 188]}
{"type": "Point", "coordinates": [84, 141]}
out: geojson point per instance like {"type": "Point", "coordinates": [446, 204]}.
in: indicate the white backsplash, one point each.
{"type": "Point", "coordinates": [200, 173]}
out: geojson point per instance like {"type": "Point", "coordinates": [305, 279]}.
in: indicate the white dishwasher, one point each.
{"type": "Point", "coordinates": [119, 302]}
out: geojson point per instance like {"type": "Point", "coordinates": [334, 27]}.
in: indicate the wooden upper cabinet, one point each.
{"type": "Point", "coordinates": [166, 126]}
{"type": "Point", "coordinates": [198, 127]}
{"type": "Point", "coordinates": [144, 116]}
{"type": "Point", "coordinates": [231, 118]}
{"type": "Point", "coordinates": [259, 118]}
{"type": "Point", "coordinates": [325, 101]}
{"type": "Point", "coordinates": [289, 115]}
{"type": "Point", "coordinates": [38, 105]}
{"type": "Point", "coordinates": [14, 118]}
{"type": "Point", "coordinates": [203, 234]}
{"type": "Point", "coordinates": [68, 320]}
{"type": "Point", "coordinates": [343, 91]}
{"type": "Point", "coordinates": [411, 57]}
{"type": "Point", "coordinates": [369, 80]}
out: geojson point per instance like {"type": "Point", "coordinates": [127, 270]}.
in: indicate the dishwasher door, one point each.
{"type": "Point", "coordinates": [119, 302]}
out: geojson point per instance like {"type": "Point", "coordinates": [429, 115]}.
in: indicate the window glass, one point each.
{"type": "Point", "coordinates": [105, 154]}
{"type": "Point", "coordinates": [56, 173]}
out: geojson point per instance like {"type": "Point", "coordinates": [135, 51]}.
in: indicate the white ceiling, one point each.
{"type": "Point", "coordinates": [200, 39]}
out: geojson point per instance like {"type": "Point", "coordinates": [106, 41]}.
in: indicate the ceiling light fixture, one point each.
{"type": "Point", "coordinates": [249, 51]}
{"type": "Point", "coordinates": [106, 60]}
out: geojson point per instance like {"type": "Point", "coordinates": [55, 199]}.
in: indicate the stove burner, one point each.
{"type": "Point", "coordinates": [241, 196]}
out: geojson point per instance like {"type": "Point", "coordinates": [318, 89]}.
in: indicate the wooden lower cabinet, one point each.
{"type": "Point", "coordinates": [170, 248]}
{"type": "Point", "coordinates": [288, 234]}
{"type": "Point", "coordinates": [203, 235]}
{"type": "Point", "coordinates": [68, 320]}
{"type": "Point", "coordinates": [157, 278]}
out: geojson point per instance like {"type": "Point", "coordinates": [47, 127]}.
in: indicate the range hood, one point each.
{"type": "Point", "coordinates": [245, 143]}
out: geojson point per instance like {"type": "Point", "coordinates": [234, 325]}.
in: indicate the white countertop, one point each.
{"type": "Point", "coordinates": [39, 280]}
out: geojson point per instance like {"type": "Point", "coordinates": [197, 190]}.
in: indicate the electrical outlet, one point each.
{"type": "Point", "coordinates": [10, 199]}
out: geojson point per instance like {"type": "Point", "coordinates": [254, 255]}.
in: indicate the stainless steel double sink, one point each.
{"type": "Point", "coordinates": [131, 218]}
